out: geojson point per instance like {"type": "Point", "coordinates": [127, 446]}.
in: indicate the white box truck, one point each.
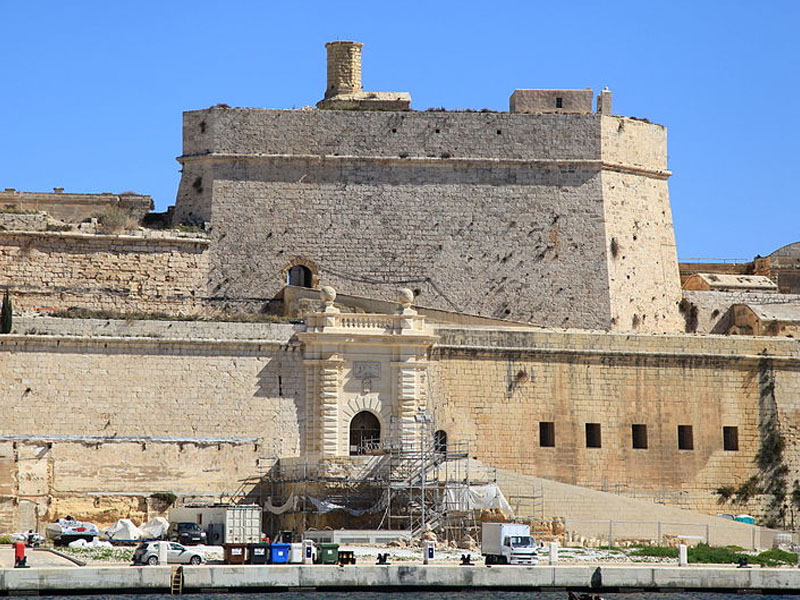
{"type": "Point", "coordinates": [508, 544]}
{"type": "Point", "coordinates": [223, 523]}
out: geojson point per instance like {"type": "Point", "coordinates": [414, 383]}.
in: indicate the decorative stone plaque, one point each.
{"type": "Point", "coordinates": [366, 370]}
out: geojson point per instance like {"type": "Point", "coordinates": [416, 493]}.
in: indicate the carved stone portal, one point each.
{"type": "Point", "coordinates": [366, 378]}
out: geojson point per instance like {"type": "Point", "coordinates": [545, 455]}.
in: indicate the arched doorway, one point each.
{"type": "Point", "coordinates": [299, 275]}
{"type": "Point", "coordinates": [440, 441]}
{"type": "Point", "coordinates": [365, 433]}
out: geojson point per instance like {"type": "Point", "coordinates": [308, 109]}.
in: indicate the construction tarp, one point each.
{"type": "Point", "coordinates": [123, 529]}
{"type": "Point", "coordinates": [156, 528]}
{"type": "Point", "coordinates": [289, 506]}
{"type": "Point", "coordinates": [476, 497]}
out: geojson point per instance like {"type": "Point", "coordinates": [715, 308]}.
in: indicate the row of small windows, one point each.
{"type": "Point", "coordinates": [547, 436]}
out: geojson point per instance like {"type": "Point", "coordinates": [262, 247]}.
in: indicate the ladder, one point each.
{"type": "Point", "coordinates": [176, 581]}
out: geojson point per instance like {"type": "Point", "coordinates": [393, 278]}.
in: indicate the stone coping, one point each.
{"type": "Point", "coordinates": [146, 237]}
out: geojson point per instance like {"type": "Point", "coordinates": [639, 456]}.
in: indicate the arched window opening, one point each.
{"type": "Point", "coordinates": [440, 441]}
{"type": "Point", "coordinates": [365, 434]}
{"type": "Point", "coordinates": [299, 275]}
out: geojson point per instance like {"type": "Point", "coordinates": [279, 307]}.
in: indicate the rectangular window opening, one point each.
{"type": "Point", "coordinates": [593, 435]}
{"type": "Point", "coordinates": [559, 103]}
{"type": "Point", "coordinates": [639, 436]}
{"type": "Point", "coordinates": [730, 438]}
{"type": "Point", "coordinates": [547, 434]}
{"type": "Point", "coordinates": [685, 439]}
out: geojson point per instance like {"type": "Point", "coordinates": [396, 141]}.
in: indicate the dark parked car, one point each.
{"type": "Point", "coordinates": [186, 533]}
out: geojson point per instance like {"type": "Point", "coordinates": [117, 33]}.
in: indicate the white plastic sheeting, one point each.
{"type": "Point", "coordinates": [477, 497]}
{"type": "Point", "coordinates": [93, 544]}
{"type": "Point", "coordinates": [289, 506]}
{"type": "Point", "coordinates": [323, 506]}
{"type": "Point", "coordinates": [123, 529]}
{"type": "Point", "coordinates": [155, 528]}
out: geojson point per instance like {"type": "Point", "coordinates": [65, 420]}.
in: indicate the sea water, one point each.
{"type": "Point", "coordinates": [413, 594]}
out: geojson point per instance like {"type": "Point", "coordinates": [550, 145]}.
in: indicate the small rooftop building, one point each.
{"type": "Point", "coordinates": [766, 319]}
{"type": "Point", "coordinates": [719, 282]}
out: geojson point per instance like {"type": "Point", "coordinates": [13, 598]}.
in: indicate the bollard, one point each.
{"type": "Point", "coordinates": [553, 553]}
{"type": "Point", "coordinates": [683, 555]}
{"type": "Point", "coordinates": [308, 552]}
{"type": "Point", "coordinates": [163, 553]}
{"type": "Point", "coordinates": [427, 551]}
{"type": "Point", "coordinates": [20, 560]}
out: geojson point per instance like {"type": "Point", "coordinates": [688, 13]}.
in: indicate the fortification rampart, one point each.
{"type": "Point", "coordinates": [94, 425]}
{"type": "Point", "coordinates": [232, 400]}
{"type": "Point", "coordinates": [497, 388]}
{"type": "Point", "coordinates": [497, 214]}
{"type": "Point", "coordinates": [105, 272]}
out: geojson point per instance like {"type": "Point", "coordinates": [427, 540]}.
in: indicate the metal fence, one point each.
{"type": "Point", "coordinates": [726, 533]}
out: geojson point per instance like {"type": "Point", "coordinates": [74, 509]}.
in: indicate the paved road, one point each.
{"type": "Point", "coordinates": [36, 558]}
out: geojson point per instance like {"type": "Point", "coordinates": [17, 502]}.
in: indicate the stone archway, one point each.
{"type": "Point", "coordinates": [365, 433]}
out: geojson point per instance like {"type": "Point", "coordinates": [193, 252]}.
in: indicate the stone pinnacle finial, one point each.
{"type": "Point", "coordinates": [327, 294]}
{"type": "Point", "coordinates": [405, 297]}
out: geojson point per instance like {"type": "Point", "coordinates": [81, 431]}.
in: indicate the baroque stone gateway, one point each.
{"type": "Point", "coordinates": [540, 326]}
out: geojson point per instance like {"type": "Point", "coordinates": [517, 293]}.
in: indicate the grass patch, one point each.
{"type": "Point", "coordinates": [703, 553]}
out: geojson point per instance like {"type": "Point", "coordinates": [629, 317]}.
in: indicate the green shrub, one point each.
{"type": "Point", "coordinates": [167, 498]}
{"type": "Point", "coordinates": [5, 539]}
{"type": "Point", "coordinates": [775, 558]}
{"type": "Point", "coordinates": [703, 553]}
{"type": "Point", "coordinates": [655, 551]}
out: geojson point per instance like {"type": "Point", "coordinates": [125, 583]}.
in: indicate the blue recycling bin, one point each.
{"type": "Point", "coordinates": [279, 553]}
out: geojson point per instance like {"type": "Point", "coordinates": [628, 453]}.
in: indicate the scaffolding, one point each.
{"type": "Point", "coordinates": [389, 487]}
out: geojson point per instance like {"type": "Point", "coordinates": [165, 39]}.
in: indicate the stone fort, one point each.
{"type": "Point", "coordinates": [542, 324]}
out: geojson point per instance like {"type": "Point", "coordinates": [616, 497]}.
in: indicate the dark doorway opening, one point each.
{"type": "Point", "coordinates": [299, 275]}
{"type": "Point", "coordinates": [365, 434]}
{"type": "Point", "coordinates": [440, 441]}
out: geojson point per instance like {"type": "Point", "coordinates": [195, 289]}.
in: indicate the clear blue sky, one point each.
{"type": "Point", "coordinates": [93, 92]}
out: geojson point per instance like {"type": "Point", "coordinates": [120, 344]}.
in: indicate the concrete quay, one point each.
{"type": "Point", "coordinates": [406, 577]}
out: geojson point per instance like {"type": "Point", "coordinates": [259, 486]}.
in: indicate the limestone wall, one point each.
{"type": "Point", "coordinates": [89, 419]}
{"type": "Point", "coordinates": [494, 388]}
{"type": "Point", "coordinates": [644, 284]}
{"type": "Point", "coordinates": [379, 232]}
{"type": "Point", "coordinates": [114, 272]}
{"type": "Point", "coordinates": [192, 413]}
{"type": "Point", "coordinates": [74, 208]}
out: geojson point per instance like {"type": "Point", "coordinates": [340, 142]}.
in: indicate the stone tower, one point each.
{"type": "Point", "coordinates": [550, 214]}
{"type": "Point", "coordinates": [344, 68]}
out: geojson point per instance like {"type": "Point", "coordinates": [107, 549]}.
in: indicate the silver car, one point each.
{"type": "Point", "coordinates": [147, 554]}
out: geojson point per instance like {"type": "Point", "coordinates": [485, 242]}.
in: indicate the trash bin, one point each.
{"type": "Point", "coordinates": [257, 554]}
{"type": "Point", "coordinates": [235, 553]}
{"type": "Point", "coordinates": [346, 557]}
{"type": "Point", "coordinates": [328, 554]}
{"type": "Point", "coordinates": [279, 553]}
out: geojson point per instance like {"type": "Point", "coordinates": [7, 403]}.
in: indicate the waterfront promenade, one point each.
{"type": "Point", "coordinates": [406, 577]}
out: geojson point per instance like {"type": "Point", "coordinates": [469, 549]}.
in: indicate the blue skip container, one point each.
{"type": "Point", "coordinates": [279, 553]}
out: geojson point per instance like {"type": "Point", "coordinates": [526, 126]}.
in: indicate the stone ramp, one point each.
{"type": "Point", "coordinates": [593, 514]}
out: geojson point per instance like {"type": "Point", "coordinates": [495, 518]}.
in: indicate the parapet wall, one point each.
{"type": "Point", "coordinates": [74, 208]}
{"type": "Point", "coordinates": [389, 134]}
{"type": "Point", "coordinates": [103, 272]}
